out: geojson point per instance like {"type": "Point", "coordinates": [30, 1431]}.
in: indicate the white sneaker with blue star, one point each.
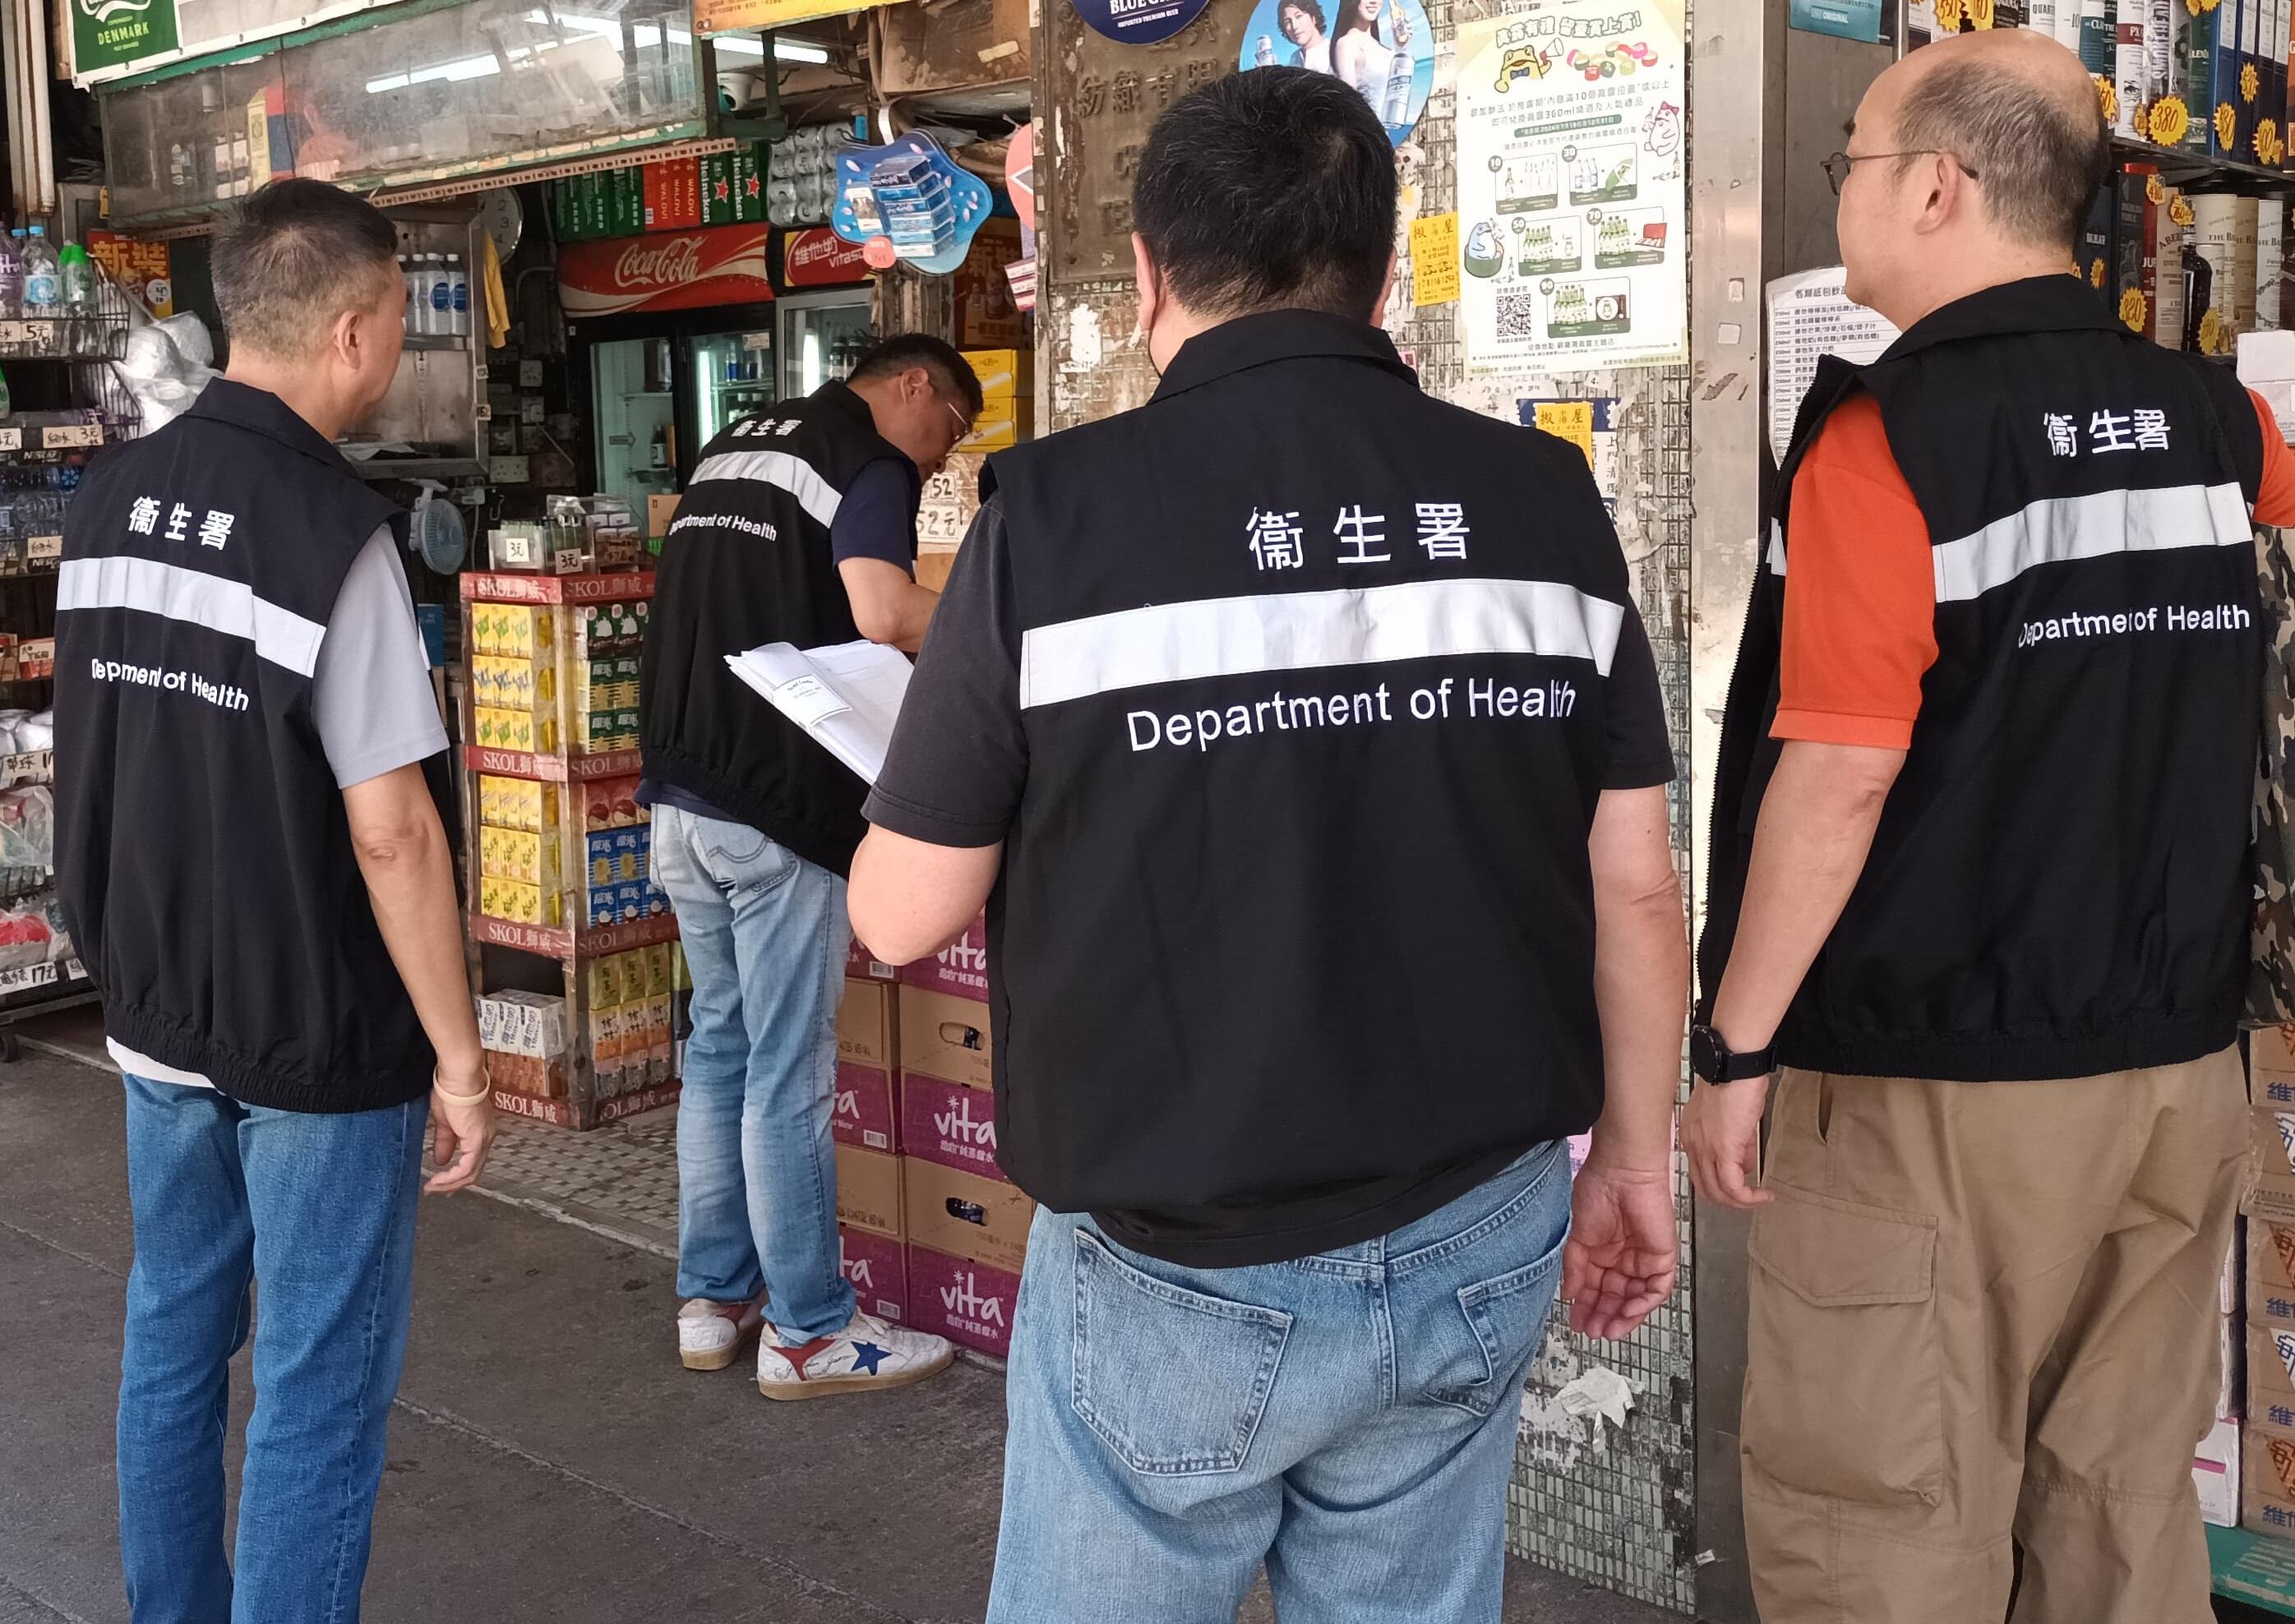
{"type": "Point", "coordinates": [868, 1353]}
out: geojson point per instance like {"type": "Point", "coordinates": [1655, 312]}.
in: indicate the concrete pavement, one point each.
{"type": "Point", "coordinates": [548, 1461]}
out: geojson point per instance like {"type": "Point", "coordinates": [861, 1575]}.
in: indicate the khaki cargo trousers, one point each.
{"type": "Point", "coordinates": [1983, 1316]}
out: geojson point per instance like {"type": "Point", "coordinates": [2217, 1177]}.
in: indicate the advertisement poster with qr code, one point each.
{"type": "Point", "coordinates": [1571, 204]}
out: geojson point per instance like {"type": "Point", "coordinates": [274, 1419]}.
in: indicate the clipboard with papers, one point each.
{"type": "Point", "coordinates": [847, 696]}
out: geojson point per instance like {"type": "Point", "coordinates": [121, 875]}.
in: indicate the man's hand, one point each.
{"type": "Point", "coordinates": [461, 1132]}
{"type": "Point", "coordinates": [1619, 1262]}
{"type": "Point", "coordinates": [1721, 1130]}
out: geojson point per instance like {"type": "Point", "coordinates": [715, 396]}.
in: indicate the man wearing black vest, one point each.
{"type": "Point", "coordinates": [1981, 885]}
{"type": "Point", "coordinates": [1300, 734]}
{"type": "Point", "coordinates": [799, 526]}
{"type": "Point", "coordinates": [256, 875]}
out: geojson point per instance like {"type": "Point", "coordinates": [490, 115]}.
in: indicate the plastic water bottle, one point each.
{"type": "Point", "coordinates": [406, 275]}
{"type": "Point", "coordinates": [458, 292]}
{"type": "Point", "coordinates": [78, 279]}
{"type": "Point", "coordinates": [43, 287]}
{"type": "Point", "coordinates": [11, 275]}
{"type": "Point", "coordinates": [1264, 57]}
{"type": "Point", "coordinates": [442, 297]}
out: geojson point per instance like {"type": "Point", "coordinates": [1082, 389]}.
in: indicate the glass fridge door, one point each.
{"type": "Point", "coordinates": [635, 410]}
{"type": "Point", "coordinates": [822, 335]}
{"type": "Point", "coordinates": [733, 378]}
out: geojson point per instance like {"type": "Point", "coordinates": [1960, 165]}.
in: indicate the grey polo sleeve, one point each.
{"type": "Point", "coordinates": [371, 690]}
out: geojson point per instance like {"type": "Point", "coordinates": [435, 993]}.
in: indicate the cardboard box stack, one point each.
{"type": "Point", "coordinates": [525, 1037]}
{"type": "Point", "coordinates": [968, 1225]}
{"type": "Point", "coordinates": [632, 1012]}
{"type": "Point", "coordinates": [869, 1222]}
{"type": "Point", "coordinates": [2265, 1448]}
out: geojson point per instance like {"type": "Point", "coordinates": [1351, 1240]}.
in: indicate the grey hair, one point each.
{"type": "Point", "coordinates": [2038, 158]}
{"type": "Point", "coordinates": [292, 258]}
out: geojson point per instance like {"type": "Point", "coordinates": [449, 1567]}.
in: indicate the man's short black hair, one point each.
{"type": "Point", "coordinates": [1269, 190]}
{"type": "Point", "coordinates": [292, 258]}
{"type": "Point", "coordinates": [891, 357]}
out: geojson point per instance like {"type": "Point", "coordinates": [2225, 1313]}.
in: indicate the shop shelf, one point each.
{"type": "Point", "coordinates": [2256, 1569]}
{"type": "Point", "coordinates": [2180, 167]}
{"type": "Point", "coordinates": [560, 769]}
{"type": "Point", "coordinates": [569, 942]}
{"type": "Point", "coordinates": [582, 1115]}
{"type": "Point", "coordinates": [511, 586]}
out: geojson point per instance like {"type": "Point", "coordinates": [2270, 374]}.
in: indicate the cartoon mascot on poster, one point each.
{"type": "Point", "coordinates": [1662, 137]}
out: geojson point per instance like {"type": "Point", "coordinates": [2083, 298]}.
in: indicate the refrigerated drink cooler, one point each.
{"type": "Point", "coordinates": [664, 387]}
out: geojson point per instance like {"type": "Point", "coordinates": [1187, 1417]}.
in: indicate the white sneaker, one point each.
{"type": "Point", "coordinates": [710, 1336]}
{"type": "Point", "coordinates": [867, 1352]}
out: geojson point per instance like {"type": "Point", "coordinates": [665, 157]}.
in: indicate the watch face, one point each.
{"type": "Point", "coordinates": [1709, 1057]}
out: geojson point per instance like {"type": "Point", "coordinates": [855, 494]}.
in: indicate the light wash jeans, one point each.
{"type": "Point", "coordinates": [317, 1211]}
{"type": "Point", "coordinates": [1348, 1418]}
{"type": "Point", "coordinates": [766, 938]}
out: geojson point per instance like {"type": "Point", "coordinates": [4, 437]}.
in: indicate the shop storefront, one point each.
{"type": "Point", "coordinates": [667, 216]}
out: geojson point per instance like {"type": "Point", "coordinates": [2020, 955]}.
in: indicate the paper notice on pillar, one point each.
{"type": "Point", "coordinates": [1811, 317]}
{"type": "Point", "coordinates": [1572, 151]}
{"type": "Point", "coordinates": [847, 696]}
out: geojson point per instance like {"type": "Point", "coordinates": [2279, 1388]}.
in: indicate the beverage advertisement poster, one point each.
{"type": "Point", "coordinates": [1571, 203]}
{"type": "Point", "coordinates": [1383, 48]}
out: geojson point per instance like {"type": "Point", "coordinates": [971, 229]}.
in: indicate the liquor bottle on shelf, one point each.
{"type": "Point", "coordinates": [12, 276]}
{"type": "Point", "coordinates": [44, 289]}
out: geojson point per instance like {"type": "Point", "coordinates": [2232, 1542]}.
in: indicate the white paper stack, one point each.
{"type": "Point", "coordinates": [847, 696]}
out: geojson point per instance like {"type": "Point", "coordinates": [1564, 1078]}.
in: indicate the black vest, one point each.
{"type": "Point", "coordinates": [747, 562]}
{"type": "Point", "coordinates": [2059, 885]}
{"type": "Point", "coordinates": [204, 855]}
{"type": "Point", "coordinates": [1299, 894]}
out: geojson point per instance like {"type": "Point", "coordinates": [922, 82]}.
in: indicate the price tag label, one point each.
{"type": "Point", "coordinates": [43, 548]}
{"type": "Point", "coordinates": [15, 335]}
{"type": "Point", "coordinates": [41, 336]}
{"type": "Point", "coordinates": [12, 439]}
{"type": "Point", "coordinates": [72, 434]}
{"type": "Point", "coordinates": [29, 767]}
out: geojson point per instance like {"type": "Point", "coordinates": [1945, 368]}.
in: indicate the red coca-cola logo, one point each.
{"type": "Point", "coordinates": [666, 264]}
{"type": "Point", "coordinates": [724, 265]}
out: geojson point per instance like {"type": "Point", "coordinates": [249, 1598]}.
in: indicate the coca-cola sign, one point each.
{"type": "Point", "coordinates": [818, 257]}
{"type": "Point", "coordinates": [721, 265]}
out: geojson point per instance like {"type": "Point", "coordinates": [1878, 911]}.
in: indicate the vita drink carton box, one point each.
{"type": "Point", "coordinates": [945, 1037]}
{"type": "Point", "coordinates": [948, 1125]}
{"type": "Point", "coordinates": [867, 1030]}
{"type": "Point", "coordinates": [971, 1304]}
{"type": "Point", "coordinates": [878, 1269]}
{"type": "Point", "coordinates": [869, 1191]}
{"type": "Point", "coordinates": [965, 1215]}
{"type": "Point", "coordinates": [960, 969]}
{"type": "Point", "coordinates": [863, 1116]}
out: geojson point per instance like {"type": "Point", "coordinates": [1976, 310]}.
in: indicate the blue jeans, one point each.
{"type": "Point", "coordinates": [765, 937]}
{"type": "Point", "coordinates": [317, 1213]}
{"type": "Point", "coordinates": [1348, 1418]}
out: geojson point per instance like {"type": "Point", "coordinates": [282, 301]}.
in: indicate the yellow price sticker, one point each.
{"type": "Point", "coordinates": [1571, 420]}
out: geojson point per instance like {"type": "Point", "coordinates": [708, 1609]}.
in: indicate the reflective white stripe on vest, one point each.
{"type": "Point", "coordinates": [1776, 548]}
{"type": "Point", "coordinates": [2058, 530]}
{"type": "Point", "coordinates": [280, 636]}
{"type": "Point", "coordinates": [1228, 637]}
{"type": "Point", "coordinates": [799, 478]}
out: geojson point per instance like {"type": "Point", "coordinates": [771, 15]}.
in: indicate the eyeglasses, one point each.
{"type": "Point", "coordinates": [963, 423]}
{"type": "Point", "coordinates": [1838, 166]}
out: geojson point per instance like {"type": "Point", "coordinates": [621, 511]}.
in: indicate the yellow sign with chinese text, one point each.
{"type": "Point", "coordinates": [1435, 259]}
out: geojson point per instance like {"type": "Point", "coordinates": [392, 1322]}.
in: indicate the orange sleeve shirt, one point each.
{"type": "Point", "coordinates": [1860, 583]}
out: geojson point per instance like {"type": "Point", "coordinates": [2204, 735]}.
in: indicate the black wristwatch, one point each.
{"type": "Point", "coordinates": [1712, 1059]}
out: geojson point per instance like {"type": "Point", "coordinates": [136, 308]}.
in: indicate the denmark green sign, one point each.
{"type": "Point", "coordinates": [106, 33]}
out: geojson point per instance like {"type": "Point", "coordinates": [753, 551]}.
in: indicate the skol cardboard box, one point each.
{"type": "Point", "coordinates": [965, 1215]}
{"type": "Point", "coordinates": [2215, 1473]}
{"type": "Point", "coordinates": [878, 1269]}
{"type": "Point", "coordinates": [948, 1125]}
{"type": "Point", "coordinates": [945, 1037]}
{"type": "Point", "coordinates": [971, 1304]}
{"type": "Point", "coordinates": [869, 1191]}
{"type": "Point", "coordinates": [866, 1030]}
{"type": "Point", "coordinates": [864, 1116]}
{"type": "Point", "coordinates": [960, 969]}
